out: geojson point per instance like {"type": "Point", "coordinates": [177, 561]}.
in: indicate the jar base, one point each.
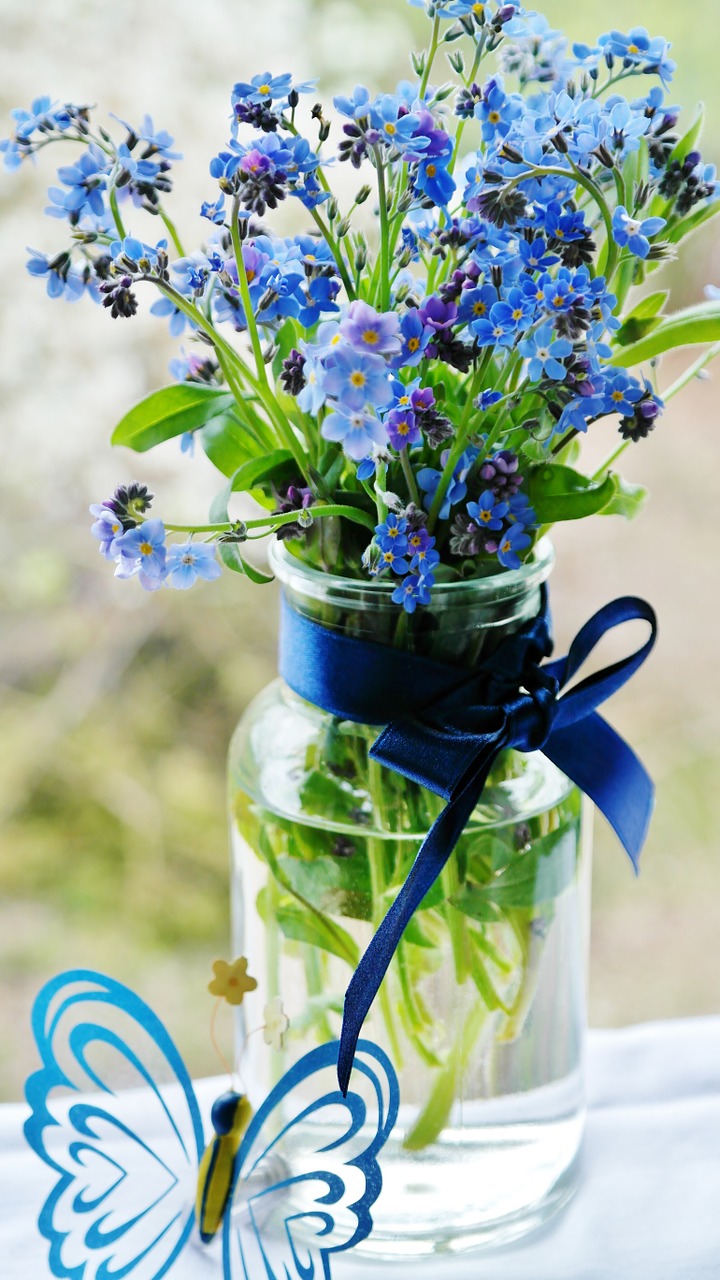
{"type": "Point", "coordinates": [521, 1176]}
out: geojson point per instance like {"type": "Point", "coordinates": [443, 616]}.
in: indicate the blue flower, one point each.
{"type": "Point", "coordinates": [425, 558]}
{"type": "Point", "coordinates": [157, 141]}
{"type": "Point", "coordinates": [214, 211]}
{"type": "Point", "coordinates": [357, 107]}
{"type": "Point", "coordinates": [142, 550]}
{"type": "Point", "coordinates": [370, 330]}
{"type": "Point", "coordinates": [366, 469]}
{"type": "Point", "coordinates": [497, 109]}
{"type": "Point", "coordinates": [487, 399]}
{"type": "Point", "coordinates": [415, 337]}
{"type": "Point", "coordinates": [476, 304]}
{"type": "Point", "coordinates": [356, 430]}
{"type": "Point", "coordinates": [391, 558]}
{"type": "Point", "coordinates": [319, 299]}
{"type": "Point", "coordinates": [511, 542]}
{"type": "Point", "coordinates": [188, 561]}
{"type": "Point", "coordinates": [622, 392]}
{"type": "Point", "coordinates": [563, 225]}
{"type": "Point", "coordinates": [396, 130]}
{"type": "Point", "coordinates": [86, 180]}
{"type": "Point", "coordinates": [429, 479]}
{"type": "Point", "coordinates": [500, 330]}
{"type": "Point", "coordinates": [392, 533]}
{"type": "Point", "coordinates": [487, 511]}
{"type": "Point", "coordinates": [634, 233]}
{"type": "Point", "coordinates": [356, 379]}
{"type": "Point", "coordinates": [433, 180]}
{"type": "Point", "coordinates": [63, 279]}
{"type": "Point", "coordinates": [535, 255]}
{"type": "Point", "coordinates": [177, 320]}
{"type": "Point", "coordinates": [313, 395]}
{"type": "Point", "coordinates": [413, 590]}
{"type": "Point", "coordinates": [638, 49]}
{"type": "Point", "coordinates": [43, 117]}
{"type": "Point", "coordinates": [545, 352]}
{"type": "Point", "coordinates": [266, 88]}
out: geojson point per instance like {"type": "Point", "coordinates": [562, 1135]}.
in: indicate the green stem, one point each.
{"type": "Point", "coordinates": [384, 234]}
{"type": "Point", "coordinates": [336, 253]}
{"type": "Point", "coordinates": [172, 229]}
{"type": "Point", "coordinates": [409, 477]}
{"type": "Point", "coordinates": [461, 126]}
{"type": "Point", "coordinates": [271, 522]}
{"type": "Point", "coordinates": [430, 58]}
{"type": "Point", "coordinates": [116, 213]}
{"type": "Point", "coordinates": [583, 180]}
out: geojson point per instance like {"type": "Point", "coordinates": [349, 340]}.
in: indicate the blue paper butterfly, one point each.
{"type": "Point", "coordinates": [304, 1181]}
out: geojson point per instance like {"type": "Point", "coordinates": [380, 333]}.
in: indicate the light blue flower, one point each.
{"type": "Point", "coordinates": [545, 352]}
{"type": "Point", "coordinates": [635, 233]}
{"type": "Point", "coordinates": [188, 561]}
{"type": "Point", "coordinates": [356, 379]}
{"type": "Point", "coordinates": [357, 431]}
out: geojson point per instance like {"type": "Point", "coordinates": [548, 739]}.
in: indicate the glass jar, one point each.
{"type": "Point", "coordinates": [483, 1009]}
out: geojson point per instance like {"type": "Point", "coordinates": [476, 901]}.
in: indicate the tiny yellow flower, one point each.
{"type": "Point", "coordinates": [276, 1023]}
{"type": "Point", "coordinates": [231, 981]}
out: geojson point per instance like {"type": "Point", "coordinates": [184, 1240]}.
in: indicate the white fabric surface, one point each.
{"type": "Point", "coordinates": [648, 1205]}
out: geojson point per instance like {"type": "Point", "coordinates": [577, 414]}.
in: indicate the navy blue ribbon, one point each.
{"type": "Point", "coordinates": [445, 727]}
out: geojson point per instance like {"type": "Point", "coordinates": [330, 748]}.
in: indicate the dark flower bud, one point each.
{"type": "Point", "coordinates": [293, 99]}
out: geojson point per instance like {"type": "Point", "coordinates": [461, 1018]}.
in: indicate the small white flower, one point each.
{"type": "Point", "coordinates": [276, 1023]}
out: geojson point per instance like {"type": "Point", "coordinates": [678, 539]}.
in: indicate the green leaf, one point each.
{"type": "Point", "coordinates": [226, 443]}
{"type": "Point", "coordinates": [329, 797]}
{"type": "Point", "coordinates": [538, 875]}
{"type": "Point", "coordinates": [691, 327]}
{"type": "Point", "coordinates": [185, 406]}
{"type": "Point", "coordinates": [335, 885]}
{"type": "Point", "coordinates": [558, 493]}
{"type": "Point", "coordinates": [628, 500]}
{"type": "Point", "coordinates": [301, 925]}
{"type": "Point", "coordinates": [277, 466]}
{"type": "Point", "coordinates": [642, 319]}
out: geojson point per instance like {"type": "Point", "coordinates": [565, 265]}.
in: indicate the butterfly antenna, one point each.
{"type": "Point", "coordinates": [213, 1038]}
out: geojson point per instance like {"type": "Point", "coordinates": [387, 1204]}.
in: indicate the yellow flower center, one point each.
{"type": "Point", "coordinates": [633, 48]}
{"type": "Point", "coordinates": [370, 337]}
{"type": "Point", "coordinates": [390, 128]}
{"type": "Point", "coordinates": [494, 117]}
{"type": "Point", "coordinates": [559, 234]}
{"type": "Point", "coordinates": [146, 548]}
{"type": "Point", "coordinates": [358, 379]}
{"type": "Point", "coordinates": [392, 532]}
{"type": "Point", "coordinates": [558, 300]}
{"type": "Point", "coordinates": [413, 345]}
{"type": "Point", "coordinates": [264, 88]}
{"type": "Point", "coordinates": [479, 10]}
{"type": "Point", "coordinates": [479, 308]}
{"type": "Point", "coordinates": [402, 428]}
{"type": "Point", "coordinates": [431, 170]}
{"type": "Point", "coordinates": [617, 396]}
{"type": "Point", "coordinates": [250, 275]}
{"type": "Point", "coordinates": [517, 314]}
{"type": "Point", "coordinates": [388, 557]}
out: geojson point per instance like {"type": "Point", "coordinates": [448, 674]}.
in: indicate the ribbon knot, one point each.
{"type": "Point", "coordinates": [445, 728]}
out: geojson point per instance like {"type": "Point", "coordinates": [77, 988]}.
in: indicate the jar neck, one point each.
{"type": "Point", "coordinates": [464, 622]}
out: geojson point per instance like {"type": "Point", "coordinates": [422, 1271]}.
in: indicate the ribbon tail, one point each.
{"type": "Point", "coordinates": [602, 765]}
{"type": "Point", "coordinates": [432, 856]}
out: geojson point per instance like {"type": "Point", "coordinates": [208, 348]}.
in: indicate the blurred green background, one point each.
{"type": "Point", "coordinates": [117, 706]}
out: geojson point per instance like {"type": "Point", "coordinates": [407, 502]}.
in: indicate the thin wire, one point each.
{"type": "Point", "coordinates": [213, 1038]}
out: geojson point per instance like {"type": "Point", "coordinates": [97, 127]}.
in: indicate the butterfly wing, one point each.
{"type": "Point", "coordinates": [126, 1158]}
{"type": "Point", "coordinates": [307, 1173]}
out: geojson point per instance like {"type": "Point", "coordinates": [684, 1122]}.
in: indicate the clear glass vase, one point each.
{"type": "Point", "coordinates": [483, 1009]}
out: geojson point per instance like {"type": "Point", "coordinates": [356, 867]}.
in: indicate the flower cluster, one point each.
{"type": "Point", "coordinates": [409, 404]}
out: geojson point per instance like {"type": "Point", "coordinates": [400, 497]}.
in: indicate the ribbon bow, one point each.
{"type": "Point", "coordinates": [447, 736]}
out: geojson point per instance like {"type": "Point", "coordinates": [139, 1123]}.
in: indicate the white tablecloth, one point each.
{"type": "Point", "coordinates": [648, 1206]}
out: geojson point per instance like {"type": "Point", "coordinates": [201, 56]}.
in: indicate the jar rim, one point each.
{"type": "Point", "coordinates": [316, 584]}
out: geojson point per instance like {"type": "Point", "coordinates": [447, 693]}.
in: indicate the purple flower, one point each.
{"type": "Point", "coordinates": [371, 331]}
{"type": "Point", "coordinates": [402, 428]}
{"type": "Point", "coordinates": [108, 528]}
{"type": "Point", "coordinates": [436, 314]}
{"type": "Point", "coordinates": [188, 561]}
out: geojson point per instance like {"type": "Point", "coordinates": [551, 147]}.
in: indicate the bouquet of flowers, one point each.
{"type": "Point", "coordinates": [402, 387]}
{"type": "Point", "coordinates": [404, 395]}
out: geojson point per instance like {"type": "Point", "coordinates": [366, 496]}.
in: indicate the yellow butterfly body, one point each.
{"type": "Point", "coordinates": [231, 1115]}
